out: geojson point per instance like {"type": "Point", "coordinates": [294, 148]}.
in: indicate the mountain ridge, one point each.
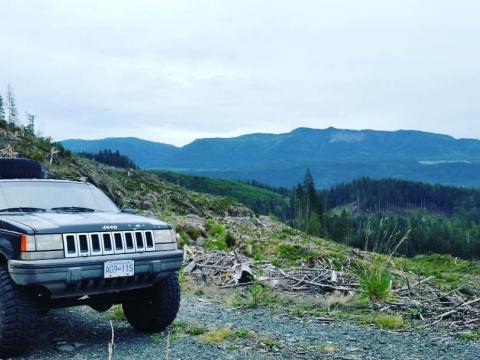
{"type": "Point", "coordinates": [334, 155]}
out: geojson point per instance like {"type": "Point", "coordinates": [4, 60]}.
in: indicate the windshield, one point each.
{"type": "Point", "coordinates": [20, 196]}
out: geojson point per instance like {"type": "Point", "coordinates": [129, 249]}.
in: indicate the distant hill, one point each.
{"type": "Point", "coordinates": [333, 155]}
{"type": "Point", "coordinates": [143, 152]}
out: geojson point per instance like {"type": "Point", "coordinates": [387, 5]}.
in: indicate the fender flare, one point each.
{"type": "Point", "coordinates": [7, 251]}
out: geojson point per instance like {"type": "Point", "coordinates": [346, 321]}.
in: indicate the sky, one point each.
{"type": "Point", "coordinates": [174, 71]}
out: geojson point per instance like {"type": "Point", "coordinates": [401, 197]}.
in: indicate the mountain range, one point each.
{"type": "Point", "coordinates": [333, 156]}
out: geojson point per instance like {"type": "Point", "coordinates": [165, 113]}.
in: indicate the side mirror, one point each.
{"type": "Point", "coordinates": [130, 211]}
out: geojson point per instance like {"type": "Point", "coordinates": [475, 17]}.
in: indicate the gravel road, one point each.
{"type": "Point", "coordinates": [81, 333]}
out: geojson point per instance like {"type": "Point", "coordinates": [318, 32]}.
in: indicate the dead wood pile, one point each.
{"type": "Point", "coordinates": [423, 300]}
{"type": "Point", "coordinates": [233, 269]}
{"type": "Point", "coordinates": [420, 298]}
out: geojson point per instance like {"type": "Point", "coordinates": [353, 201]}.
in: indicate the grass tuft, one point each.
{"type": "Point", "coordinates": [195, 330]}
{"type": "Point", "coordinates": [178, 324]}
{"type": "Point", "coordinates": [241, 333]}
{"type": "Point", "coordinates": [156, 338]}
{"type": "Point", "coordinates": [327, 348]}
{"type": "Point", "coordinates": [390, 322]}
{"type": "Point", "coordinates": [376, 282]}
{"type": "Point", "coordinates": [258, 295]}
{"type": "Point", "coordinates": [116, 313]}
{"type": "Point", "coordinates": [217, 335]}
{"type": "Point", "coordinates": [469, 335]}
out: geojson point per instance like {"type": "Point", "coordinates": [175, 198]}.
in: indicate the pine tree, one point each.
{"type": "Point", "coordinates": [30, 128]}
{"type": "Point", "coordinates": [2, 110]}
{"type": "Point", "coordinates": [310, 201]}
{"type": "Point", "coordinates": [12, 108]}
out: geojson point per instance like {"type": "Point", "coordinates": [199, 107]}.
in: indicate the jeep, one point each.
{"type": "Point", "coordinates": [65, 243]}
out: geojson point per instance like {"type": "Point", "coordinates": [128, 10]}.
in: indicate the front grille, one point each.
{"type": "Point", "coordinates": [108, 243]}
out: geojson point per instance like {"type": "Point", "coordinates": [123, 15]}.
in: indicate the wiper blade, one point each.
{"type": "Point", "coordinates": [73, 209]}
{"type": "Point", "coordinates": [23, 209]}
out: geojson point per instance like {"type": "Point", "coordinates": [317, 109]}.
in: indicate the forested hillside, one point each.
{"type": "Point", "coordinates": [112, 158]}
{"type": "Point", "coordinates": [439, 219]}
{"type": "Point", "coordinates": [261, 200]}
{"type": "Point", "coordinates": [143, 152]}
{"type": "Point", "coordinates": [390, 194]}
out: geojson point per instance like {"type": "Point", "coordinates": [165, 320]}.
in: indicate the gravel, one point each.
{"type": "Point", "coordinates": [82, 333]}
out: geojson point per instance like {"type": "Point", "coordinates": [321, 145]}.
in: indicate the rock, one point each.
{"type": "Point", "coordinates": [66, 347]}
{"type": "Point", "coordinates": [200, 241]}
{"type": "Point", "coordinates": [146, 205]}
{"type": "Point", "coordinates": [352, 349]}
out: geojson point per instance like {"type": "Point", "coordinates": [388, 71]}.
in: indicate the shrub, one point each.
{"type": "Point", "coordinates": [214, 229]}
{"type": "Point", "coordinates": [257, 293]}
{"type": "Point", "coordinates": [225, 203]}
{"type": "Point", "coordinates": [219, 238]}
{"type": "Point", "coordinates": [230, 240]}
{"type": "Point", "coordinates": [291, 252]}
{"type": "Point", "coordinates": [184, 239]}
{"type": "Point", "coordinates": [193, 233]}
{"type": "Point", "coordinates": [216, 243]}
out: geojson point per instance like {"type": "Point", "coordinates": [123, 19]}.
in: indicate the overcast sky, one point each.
{"type": "Point", "coordinates": [173, 71]}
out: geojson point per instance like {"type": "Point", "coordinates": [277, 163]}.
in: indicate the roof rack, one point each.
{"type": "Point", "coordinates": [18, 168]}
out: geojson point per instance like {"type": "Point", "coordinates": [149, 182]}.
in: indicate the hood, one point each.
{"type": "Point", "coordinates": [53, 222]}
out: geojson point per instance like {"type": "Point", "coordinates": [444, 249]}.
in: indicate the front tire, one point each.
{"type": "Point", "coordinates": [17, 317]}
{"type": "Point", "coordinates": [158, 308]}
{"type": "Point", "coordinates": [101, 307]}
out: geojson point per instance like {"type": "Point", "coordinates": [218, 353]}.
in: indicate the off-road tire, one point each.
{"type": "Point", "coordinates": [158, 308]}
{"type": "Point", "coordinates": [17, 317]}
{"type": "Point", "coordinates": [101, 307]}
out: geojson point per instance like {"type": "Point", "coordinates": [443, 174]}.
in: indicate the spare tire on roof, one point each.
{"type": "Point", "coordinates": [21, 169]}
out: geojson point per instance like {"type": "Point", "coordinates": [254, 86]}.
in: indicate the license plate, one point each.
{"type": "Point", "coordinates": [119, 268]}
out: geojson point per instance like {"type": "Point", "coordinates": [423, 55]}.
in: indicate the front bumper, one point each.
{"type": "Point", "coordinates": [84, 276]}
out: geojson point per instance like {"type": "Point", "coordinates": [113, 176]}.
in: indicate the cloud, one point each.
{"type": "Point", "coordinates": [173, 71]}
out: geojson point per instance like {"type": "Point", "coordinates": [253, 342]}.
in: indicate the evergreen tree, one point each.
{"type": "Point", "coordinates": [2, 111]}
{"type": "Point", "coordinates": [310, 202]}
{"type": "Point", "coordinates": [12, 108]}
{"type": "Point", "coordinates": [315, 226]}
{"type": "Point", "coordinates": [30, 128]}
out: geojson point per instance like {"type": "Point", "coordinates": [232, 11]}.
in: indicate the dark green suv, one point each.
{"type": "Point", "coordinates": [65, 243]}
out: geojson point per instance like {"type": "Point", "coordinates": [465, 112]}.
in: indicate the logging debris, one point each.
{"type": "Point", "coordinates": [419, 298]}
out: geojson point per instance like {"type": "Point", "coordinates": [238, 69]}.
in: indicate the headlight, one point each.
{"type": "Point", "coordinates": [49, 242]}
{"type": "Point", "coordinates": [164, 236]}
